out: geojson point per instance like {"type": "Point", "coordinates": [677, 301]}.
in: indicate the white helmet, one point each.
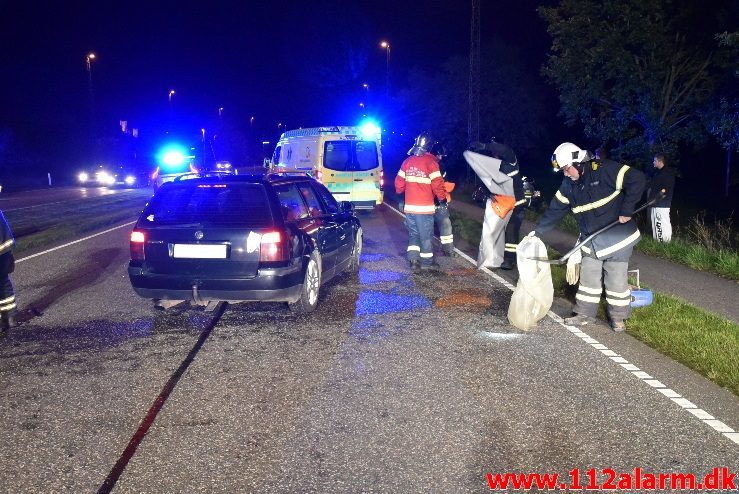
{"type": "Point", "coordinates": [567, 154]}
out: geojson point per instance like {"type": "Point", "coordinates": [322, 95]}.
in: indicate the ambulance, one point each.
{"type": "Point", "coordinates": [347, 160]}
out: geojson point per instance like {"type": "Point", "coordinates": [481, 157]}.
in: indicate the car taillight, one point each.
{"type": "Point", "coordinates": [318, 174]}
{"type": "Point", "coordinates": [382, 180]}
{"type": "Point", "coordinates": [272, 247]}
{"type": "Point", "coordinates": [137, 245]}
{"type": "Point", "coordinates": [155, 174]}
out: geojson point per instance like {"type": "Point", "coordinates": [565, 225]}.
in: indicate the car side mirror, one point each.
{"type": "Point", "coordinates": [346, 206]}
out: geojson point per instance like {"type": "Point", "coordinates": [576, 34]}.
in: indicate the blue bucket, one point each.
{"type": "Point", "coordinates": [641, 297]}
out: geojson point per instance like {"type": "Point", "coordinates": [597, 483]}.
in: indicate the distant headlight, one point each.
{"type": "Point", "coordinates": [83, 177]}
{"type": "Point", "coordinates": [130, 180]}
{"type": "Point", "coordinates": [104, 178]}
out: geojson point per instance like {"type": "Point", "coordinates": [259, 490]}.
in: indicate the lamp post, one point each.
{"type": "Point", "coordinates": [386, 46]}
{"type": "Point", "coordinates": [220, 112]}
{"type": "Point", "coordinates": [203, 163]}
{"type": "Point", "coordinates": [88, 65]}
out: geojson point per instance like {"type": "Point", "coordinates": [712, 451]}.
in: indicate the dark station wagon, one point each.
{"type": "Point", "coordinates": [275, 237]}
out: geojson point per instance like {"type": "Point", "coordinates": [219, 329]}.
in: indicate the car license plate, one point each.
{"type": "Point", "coordinates": [199, 251]}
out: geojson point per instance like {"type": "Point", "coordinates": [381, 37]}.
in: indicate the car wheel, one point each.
{"type": "Point", "coordinates": [356, 253]}
{"type": "Point", "coordinates": [311, 285]}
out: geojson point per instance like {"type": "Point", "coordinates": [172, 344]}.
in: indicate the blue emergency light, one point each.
{"type": "Point", "coordinates": [172, 158]}
{"type": "Point", "coordinates": [369, 129]}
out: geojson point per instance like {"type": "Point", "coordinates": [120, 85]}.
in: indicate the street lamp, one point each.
{"type": "Point", "coordinates": [220, 111]}
{"type": "Point", "coordinates": [171, 93]}
{"type": "Point", "coordinates": [88, 64]}
{"type": "Point", "coordinates": [251, 121]}
{"type": "Point", "coordinates": [386, 46]}
{"type": "Point", "coordinates": [88, 60]}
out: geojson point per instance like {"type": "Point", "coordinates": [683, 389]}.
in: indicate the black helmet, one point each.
{"type": "Point", "coordinates": [438, 150]}
{"type": "Point", "coordinates": [424, 143]}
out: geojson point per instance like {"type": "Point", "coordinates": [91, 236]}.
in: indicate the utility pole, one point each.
{"type": "Point", "coordinates": [473, 116]}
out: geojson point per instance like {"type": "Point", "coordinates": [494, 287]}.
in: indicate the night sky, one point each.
{"type": "Point", "coordinates": [300, 63]}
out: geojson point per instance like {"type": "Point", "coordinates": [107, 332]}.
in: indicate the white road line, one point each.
{"type": "Point", "coordinates": [62, 202]}
{"type": "Point", "coordinates": [75, 242]}
{"type": "Point", "coordinates": [36, 206]}
{"type": "Point", "coordinates": [655, 384]}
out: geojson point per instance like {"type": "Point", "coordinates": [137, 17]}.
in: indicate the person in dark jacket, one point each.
{"type": "Point", "coordinates": [7, 266]}
{"type": "Point", "coordinates": [598, 192]}
{"type": "Point", "coordinates": [441, 216]}
{"type": "Point", "coordinates": [509, 166]}
{"type": "Point", "coordinates": [663, 179]}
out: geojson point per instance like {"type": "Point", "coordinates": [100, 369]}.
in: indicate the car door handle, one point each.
{"type": "Point", "coordinates": [358, 179]}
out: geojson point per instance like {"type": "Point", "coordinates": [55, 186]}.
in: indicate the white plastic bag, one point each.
{"type": "Point", "coordinates": [534, 292]}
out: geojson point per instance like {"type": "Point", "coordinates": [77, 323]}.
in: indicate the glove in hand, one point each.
{"type": "Point", "coordinates": [573, 267]}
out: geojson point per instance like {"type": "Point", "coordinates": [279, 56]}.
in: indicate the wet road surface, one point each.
{"type": "Point", "coordinates": [397, 383]}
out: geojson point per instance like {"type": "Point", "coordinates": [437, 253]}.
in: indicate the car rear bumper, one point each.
{"type": "Point", "coordinates": [270, 285]}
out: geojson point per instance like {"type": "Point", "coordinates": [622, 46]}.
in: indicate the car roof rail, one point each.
{"type": "Point", "coordinates": [288, 171]}
{"type": "Point", "coordinates": [204, 174]}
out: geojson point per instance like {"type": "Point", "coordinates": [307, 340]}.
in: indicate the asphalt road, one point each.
{"type": "Point", "coordinates": [397, 383]}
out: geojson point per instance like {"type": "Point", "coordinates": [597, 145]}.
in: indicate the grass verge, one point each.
{"type": "Point", "coordinates": [698, 339]}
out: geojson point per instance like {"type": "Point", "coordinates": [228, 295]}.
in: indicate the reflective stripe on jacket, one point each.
{"type": "Point", "coordinates": [7, 241]}
{"type": "Point", "coordinates": [604, 191]}
{"type": "Point", "coordinates": [419, 178]}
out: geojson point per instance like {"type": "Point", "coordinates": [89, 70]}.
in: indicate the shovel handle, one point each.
{"type": "Point", "coordinates": [563, 259]}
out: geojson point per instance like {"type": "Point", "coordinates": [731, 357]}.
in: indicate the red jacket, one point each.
{"type": "Point", "coordinates": [420, 179]}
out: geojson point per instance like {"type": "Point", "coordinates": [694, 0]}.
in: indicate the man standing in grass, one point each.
{"type": "Point", "coordinates": [663, 178]}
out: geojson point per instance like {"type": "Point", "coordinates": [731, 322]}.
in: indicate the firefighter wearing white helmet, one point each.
{"type": "Point", "coordinates": [597, 192]}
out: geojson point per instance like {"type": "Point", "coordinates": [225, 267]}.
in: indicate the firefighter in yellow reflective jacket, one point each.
{"type": "Point", "coordinates": [7, 266]}
{"type": "Point", "coordinates": [598, 192]}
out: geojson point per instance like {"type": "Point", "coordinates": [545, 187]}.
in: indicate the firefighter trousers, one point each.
{"type": "Point", "coordinates": [512, 232]}
{"type": "Point", "coordinates": [7, 295]}
{"type": "Point", "coordinates": [420, 235]}
{"type": "Point", "coordinates": [444, 224]}
{"type": "Point", "coordinates": [597, 274]}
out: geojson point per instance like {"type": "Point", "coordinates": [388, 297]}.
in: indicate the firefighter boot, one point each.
{"type": "Point", "coordinates": [416, 266]}
{"type": "Point", "coordinates": [579, 320]}
{"type": "Point", "coordinates": [508, 264]}
{"type": "Point", "coordinates": [618, 325]}
{"type": "Point", "coordinates": [7, 320]}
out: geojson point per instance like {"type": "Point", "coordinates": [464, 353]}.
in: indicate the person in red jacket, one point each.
{"type": "Point", "coordinates": [420, 180]}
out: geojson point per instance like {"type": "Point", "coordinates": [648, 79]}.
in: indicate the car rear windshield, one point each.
{"type": "Point", "coordinates": [238, 205]}
{"type": "Point", "coordinates": [350, 155]}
